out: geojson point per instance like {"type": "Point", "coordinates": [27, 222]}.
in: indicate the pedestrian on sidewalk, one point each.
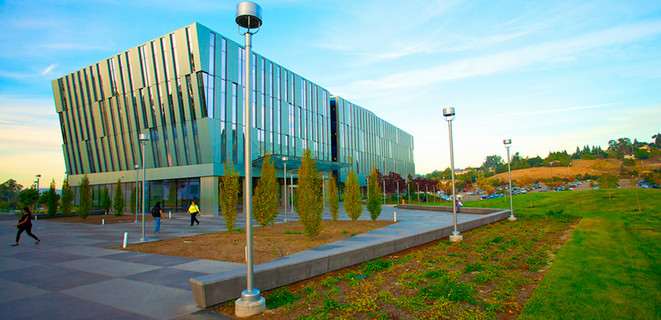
{"type": "Point", "coordinates": [157, 214]}
{"type": "Point", "coordinates": [193, 210]}
{"type": "Point", "coordinates": [25, 224]}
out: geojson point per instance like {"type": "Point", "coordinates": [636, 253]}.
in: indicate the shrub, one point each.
{"type": "Point", "coordinates": [229, 195]}
{"type": "Point", "coordinates": [281, 297]}
{"type": "Point", "coordinates": [67, 198]}
{"type": "Point", "coordinates": [85, 206]}
{"type": "Point", "coordinates": [352, 198]}
{"type": "Point", "coordinates": [53, 198]}
{"type": "Point", "coordinates": [449, 288]}
{"type": "Point", "coordinates": [118, 202]}
{"type": "Point", "coordinates": [309, 201]}
{"type": "Point", "coordinates": [333, 198]}
{"type": "Point", "coordinates": [106, 203]}
{"type": "Point", "coordinates": [375, 265]}
{"type": "Point", "coordinates": [265, 201]}
{"type": "Point", "coordinates": [374, 195]}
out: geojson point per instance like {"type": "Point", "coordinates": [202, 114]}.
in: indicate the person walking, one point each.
{"type": "Point", "coordinates": [157, 214]}
{"type": "Point", "coordinates": [193, 210]}
{"type": "Point", "coordinates": [25, 224]}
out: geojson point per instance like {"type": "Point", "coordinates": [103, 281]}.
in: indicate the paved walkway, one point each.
{"type": "Point", "coordinates": [72, 275]}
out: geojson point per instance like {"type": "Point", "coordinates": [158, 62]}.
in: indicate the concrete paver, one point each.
{"type": "Point", "coordinates": [72, 275]}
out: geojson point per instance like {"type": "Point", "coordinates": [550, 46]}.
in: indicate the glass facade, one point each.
{"type": "Point", "coordinates": [186, 90]}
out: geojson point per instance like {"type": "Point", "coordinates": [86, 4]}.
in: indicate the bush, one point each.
{"type": "Point", "coordinates": [374, 195]}
{"type": "Point", "coordinates": [119, 203]}
{"type": "Point", "coordinates": [451, 289]}
{"type": "Point", "coordinates": [352, 197]}
{"type": "Point", "coordinates": [265, 201]}
{"type": "Point", "coordinates": [281, 297]}
{"type": "Point", "coordinates": [229, 195]}
{"type": "Point", "coordinates": [333, 198]}
{"type": "Point", "coordinates": [67, 198]}
{"type": "Point", "coordinates": [309, 201]}
{"type": "Point", "coordinates": [85, 206]}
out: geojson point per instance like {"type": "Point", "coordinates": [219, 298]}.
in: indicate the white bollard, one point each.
{"type": "Point", "coordinates": [395, 216]}
{"type": "Point", "coordinates": [126, 239]}
{"type": "Point", "coordinates": [35, 217]}
{"type": "Point", "coordinates": [103, 221]}
{"type": "Point", "coordinates": [170, 215]}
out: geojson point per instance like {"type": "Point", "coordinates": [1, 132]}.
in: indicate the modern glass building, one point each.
{"type": "Point", "coordinates": [185, 89]}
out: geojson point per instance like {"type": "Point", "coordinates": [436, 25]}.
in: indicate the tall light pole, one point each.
{"type": "Point", "coordinates": [36, 205]}
{"type": "Point", "coordinates": [508, 143]}
{"type": "Point", "coordinates": [143, 138]}
{"type": "Point", "coordinates": [284, 160]}
{"type": "Point", "coordinates": [448, 113]}
{"type": "Point", "coordinates": [397, 192]}
{"type": "Point", "coordinates": [248, 17]}
{"type": "Point", "coordinates": [137, 183]}
{"type": "Point", "coordinates": [384, 190]}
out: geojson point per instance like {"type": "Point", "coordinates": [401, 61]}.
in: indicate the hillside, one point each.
{"type": "Point", "coordinates": [578, 167]}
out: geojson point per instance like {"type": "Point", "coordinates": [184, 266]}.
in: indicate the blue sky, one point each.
{"type": "Point", "coordinates": [550, 75]}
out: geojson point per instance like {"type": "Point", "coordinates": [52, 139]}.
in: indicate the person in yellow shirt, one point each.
{"type": "Point", "coordinates": [193, 210]}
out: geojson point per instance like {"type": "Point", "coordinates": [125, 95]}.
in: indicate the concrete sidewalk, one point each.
{"type": "Point", "coordinates": [71, 274]}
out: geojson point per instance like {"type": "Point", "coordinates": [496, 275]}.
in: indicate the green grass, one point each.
{"type": "Point", "coordinates": [611, 265]}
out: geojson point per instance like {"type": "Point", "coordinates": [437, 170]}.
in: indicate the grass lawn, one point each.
{"type": "Point", "coordinates": [608, 268]}
{"type": "Point", "coordinates": [611, 266]}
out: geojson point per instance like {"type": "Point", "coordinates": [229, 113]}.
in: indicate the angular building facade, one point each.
{"type": "Point", "coordinates": [185, 89]}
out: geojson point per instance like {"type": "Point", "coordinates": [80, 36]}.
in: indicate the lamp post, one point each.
{"type": "Point", "coordinates": [284, 160]}
{"type": "Point", "coordinates": [508, 143]}
{"type": "Point", "coordinates": [248, 17]}
{"type": "Point", "coordinates": [36, 205]}
{"type": "Point", "coordinates": [448, 114]}
{"type": "Point", "coordinates": [137, 174]}
{"type": "Point", "coordinates": [143, 138]}
{"type": "Point", "coordinates": [384, 191]}
{"type": "Point", "coordinates": [397, 192]}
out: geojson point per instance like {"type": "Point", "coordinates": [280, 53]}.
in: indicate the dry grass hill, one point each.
{"type": "Point", "coordinates": [577, 167]}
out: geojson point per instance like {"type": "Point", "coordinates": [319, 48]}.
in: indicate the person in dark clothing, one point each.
{"type": "Point", "coordinates": [25, 224]}
{"type": "Point", "coordinates": [157, 214]}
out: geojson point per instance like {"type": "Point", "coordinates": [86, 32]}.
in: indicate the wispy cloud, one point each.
{"type": "Point", "coordinates": [514, 59]}
{"type": "Point", "coordinates": [562, 109]}
{"type": "Point", "coordinates": [48, 69]}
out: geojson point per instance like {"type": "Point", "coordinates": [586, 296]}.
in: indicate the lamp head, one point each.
{"type": "Point", "coordinates": [137, 166]}
{"type": "Point", "coordinates": [248, 15]}
{"type": "Point", "coordinates": [143, 137]}
{"type": "Point", "coordinates": [507, 142]}
{"type": "Point", "coordinates": [448, 113]}
{"type": "Point", "coordinates": [38, 176]}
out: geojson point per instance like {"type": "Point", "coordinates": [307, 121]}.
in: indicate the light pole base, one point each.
{"type": "Point", "coordinates": [143, 239]}
{"type": "Point", "coordinates": [250, 304]}
{"type": "Point", "coordinates": [511, 218]}
{"type": "Point", "coordinates": [456, 237]}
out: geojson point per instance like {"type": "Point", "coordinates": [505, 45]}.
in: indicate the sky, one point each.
{"type": "Point", "coordinates": [550, 75]}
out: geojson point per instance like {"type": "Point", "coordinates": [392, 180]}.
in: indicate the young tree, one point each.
{"type": "Point", "coordinates": [333, 198]}
{"type": "Point", "coordinates": [67, 198]}
{"type": "Point", "coordinates": [607, 174]}
{"type": "Point", "coordinates": [310, 201]}
{"type": "Point", "coordinates": [134, 197]}
{"type": "Point", "coordinates": [353, 204]}
{"type": "Point", "coordinates": [118, 203]}
{"type": "Point", "coordinates": [265, 201]}
{"type": "Point", "coordinates": [85, 206]}
{"type": "Point", "coordinates": [229, 195]}
{"type": "Point", "coordinates": [9, 191]}
{"type": "Point", "coordinates": [52, 200]}
{"type": "Point", "coordinates": [527, 181]}
{"type": "Point", "coordinates": [28, 197]}
{"type": "Point", "coordinates": [106, 203]}
{"type": "Point", "coordinates": [374, 195]}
